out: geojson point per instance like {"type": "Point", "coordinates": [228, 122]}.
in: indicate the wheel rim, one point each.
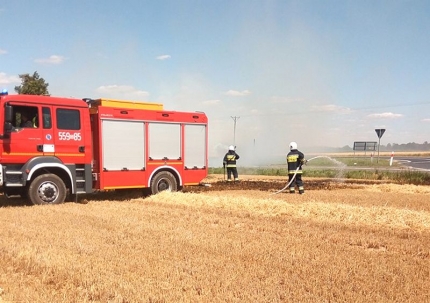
{"type": "Point", "coordinates": [48, 192]}
{"type": "Point", "coordinates": [163, 184]}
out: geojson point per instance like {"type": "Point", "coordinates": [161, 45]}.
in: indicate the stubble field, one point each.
{"type": "Point", "coordinates": [340, 242]}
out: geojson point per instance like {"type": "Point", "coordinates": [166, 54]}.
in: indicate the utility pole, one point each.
{"type": "Point", "coordinates": [234, 132]}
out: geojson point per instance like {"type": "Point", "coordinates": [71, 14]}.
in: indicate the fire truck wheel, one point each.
{"type": "Point", "coordinates": [47, 189]}
{"type": "Point", "coordinates": [163, 181]}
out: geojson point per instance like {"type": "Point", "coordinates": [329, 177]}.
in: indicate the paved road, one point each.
{"type": "Point", "coordinates": [416, 163]}
{"type": "Point", "coordinates": [419, 163]}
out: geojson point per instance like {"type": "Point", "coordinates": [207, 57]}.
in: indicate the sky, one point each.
{"type": "Point", "coordinates": [320, 73]}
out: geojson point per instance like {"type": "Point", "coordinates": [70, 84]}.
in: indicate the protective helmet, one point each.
{"type": "Point", "coordinates": [231, 147]}
{"type": "Point", "coordinates": [293, 145]}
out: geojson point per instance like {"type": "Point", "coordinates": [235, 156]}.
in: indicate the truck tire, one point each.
{"type": "Point", "coordinates": [47, 189]}
{"type": "Point", "coordinates": [163, 181]}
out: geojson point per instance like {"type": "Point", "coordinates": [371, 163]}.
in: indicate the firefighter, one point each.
{"type": "Point", "coordinates": [25, 122]}
{"type": "Point", "coordinates": [229, 161]}
{"type": "Point", "coordinates": [295, 160]}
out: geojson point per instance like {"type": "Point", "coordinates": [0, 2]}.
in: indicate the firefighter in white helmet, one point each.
{"type": "Point", "coordinates": [229, 162]}
{"type": "Point", "coordinates": [295, 160]}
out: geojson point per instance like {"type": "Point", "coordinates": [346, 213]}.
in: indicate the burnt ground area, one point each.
{"type": "Point", "coordinates": [275, 185]}
{"type": "Point", "coordinates": [262, 183]}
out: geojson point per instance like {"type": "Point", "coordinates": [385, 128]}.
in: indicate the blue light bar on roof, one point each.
{"type": "Point", "coordinates": [4, 92]}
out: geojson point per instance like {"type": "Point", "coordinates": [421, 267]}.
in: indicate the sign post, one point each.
{"type": "Point", "coordinates": [379, 132]}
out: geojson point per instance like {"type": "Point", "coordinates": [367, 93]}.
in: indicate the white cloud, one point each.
{"type": "Point", "coordinates": [5, 79]}
{"type": "Point", "coordinates": [3, 52]}
{"type": "Point", "coordinates": [54, 59]}
{"type": "Point", "coordinates": [426, 120]}
{"type": "Point", "coordinates": [332, 108]}
{"type": "Point", "coordinates": [236, 93]}
{"type": "Point", "coordinates": [211, 102]}
{"type": "Point", "coordinates": [277, 99]}
{"type": "Point", "coordinates": [121, 91]}
{"type": "Point", "coordinates": [385, 115]}
{"type": "Point", "coordinates": [163, 57]}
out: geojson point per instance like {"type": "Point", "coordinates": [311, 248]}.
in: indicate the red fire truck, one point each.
{"type": "Point", "coordinates": [56, 148]}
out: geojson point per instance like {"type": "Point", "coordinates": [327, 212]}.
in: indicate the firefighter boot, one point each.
{"type": "Point", "coordinates": [292, 190]}
{"type": "Point", "coordinates": [301, 190]}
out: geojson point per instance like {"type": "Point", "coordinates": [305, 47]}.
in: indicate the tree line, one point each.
{"type": "Point", "coordinates": [411, 146]}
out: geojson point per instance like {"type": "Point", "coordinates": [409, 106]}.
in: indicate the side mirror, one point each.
{"type": "Point", "coordinates": [8, 127]}
{"type": "Point", "coordinates": [8, 118]}
{"type": "Point", "coordinates": [8, 114]}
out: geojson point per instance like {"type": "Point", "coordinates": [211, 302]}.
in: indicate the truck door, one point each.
{"type": "Point", "coordinates": [26, 135]}
{"type": "Point", "coordinates": [69, 135]}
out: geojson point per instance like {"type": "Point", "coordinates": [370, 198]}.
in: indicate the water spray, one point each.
{"type": "Point", "coordinates": [295, 173]}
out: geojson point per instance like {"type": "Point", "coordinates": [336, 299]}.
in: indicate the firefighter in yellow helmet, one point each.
{"type": "Point", "coordinates": [229, 161]}
{"type": "Point", "coordinates": [295, 160]}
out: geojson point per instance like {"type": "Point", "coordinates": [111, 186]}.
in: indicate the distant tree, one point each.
{"type": "Point", "coordinates": [411, 146]}
{"type": "Point", "coordinates": [346, 148]}
{"type": "Point", "coordinates": [32, 85]}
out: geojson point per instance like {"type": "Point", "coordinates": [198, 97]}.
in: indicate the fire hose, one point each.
{"type": "Point", "coordinates": [294, 176]}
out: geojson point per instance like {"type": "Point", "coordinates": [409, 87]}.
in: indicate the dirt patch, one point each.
{"type": "Point", "coordinates": [275, 183]}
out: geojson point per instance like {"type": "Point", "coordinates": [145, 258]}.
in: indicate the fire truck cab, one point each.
{"type": "Point", "coordinates": [52, 148]}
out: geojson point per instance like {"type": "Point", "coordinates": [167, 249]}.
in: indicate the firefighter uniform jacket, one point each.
{"type": "Point", "coordinates": [295, 159]}
{"type": "Point", "coordinates": [230, 159]}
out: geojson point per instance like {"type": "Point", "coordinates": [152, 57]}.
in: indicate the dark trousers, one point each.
{"type": "Point", "coordinates": [232, 171]}
{"type": "Point", "coordinates": [297, 181]}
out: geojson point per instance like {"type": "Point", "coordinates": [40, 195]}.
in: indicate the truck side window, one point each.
{"type": "Point", "coordinates": [68, 119]}
{"type": "Point", "coordinates": [25, 117]}
{"type": "Point", "coordinates": [46, 116]}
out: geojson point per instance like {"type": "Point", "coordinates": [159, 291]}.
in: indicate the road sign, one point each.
{"type": "Point", "coordinates": [365, 146]}
{"type": "Point", "coordinates": [380, 132]}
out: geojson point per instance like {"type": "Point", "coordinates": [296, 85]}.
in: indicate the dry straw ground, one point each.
{"type": "Point", "coordinates": [369, 243]}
